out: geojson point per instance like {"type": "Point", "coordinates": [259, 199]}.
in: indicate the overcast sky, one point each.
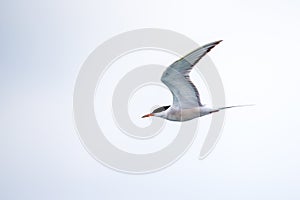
{"type": "Point", "coordinates": [43, 45]}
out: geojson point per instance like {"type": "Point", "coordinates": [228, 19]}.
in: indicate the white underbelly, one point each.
{"type": "Point", "coordinates": [184, 114]}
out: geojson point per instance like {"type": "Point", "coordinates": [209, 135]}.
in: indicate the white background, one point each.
{"type": "Point", "coordinates": [43, 45]}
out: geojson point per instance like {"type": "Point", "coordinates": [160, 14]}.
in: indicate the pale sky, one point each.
{"type": "Point", "coordinates": [43, 45]}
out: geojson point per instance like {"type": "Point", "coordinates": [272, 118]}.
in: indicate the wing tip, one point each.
{"type": "Point", "coordinates": [217, 42]}
{"type": "Point", "coordinates": [211, 45]}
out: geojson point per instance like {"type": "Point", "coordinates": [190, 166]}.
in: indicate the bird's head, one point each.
{"type": "Point", "coordinates": [159, 112]}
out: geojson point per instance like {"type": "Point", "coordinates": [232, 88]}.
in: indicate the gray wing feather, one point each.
{"type": "Point", "coordinates": [176, 78]}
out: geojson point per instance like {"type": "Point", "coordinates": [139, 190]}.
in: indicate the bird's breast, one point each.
{"type": "Point", "coordinates": [183, 114]}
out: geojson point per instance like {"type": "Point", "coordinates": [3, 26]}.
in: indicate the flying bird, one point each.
{"type": "Point", "coordinates": [186, 98]}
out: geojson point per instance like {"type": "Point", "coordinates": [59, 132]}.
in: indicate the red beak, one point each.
{"type": "Point", "coordinates": [148, 115]}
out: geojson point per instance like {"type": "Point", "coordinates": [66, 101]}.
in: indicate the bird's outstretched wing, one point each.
{"type": "Point", "coordinates": [176, 77]}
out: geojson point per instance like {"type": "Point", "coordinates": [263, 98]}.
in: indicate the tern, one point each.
{"type": "Point", "coordinates": [186, 98]}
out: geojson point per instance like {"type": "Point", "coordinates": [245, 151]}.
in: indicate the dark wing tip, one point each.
{"type": "Point", "coordinates": [217, 42]}
{"type": "Point", "coordinates": [212, 45]}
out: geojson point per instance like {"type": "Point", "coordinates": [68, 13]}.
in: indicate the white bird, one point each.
{"type": "Point", "coordinates": [186, 99]}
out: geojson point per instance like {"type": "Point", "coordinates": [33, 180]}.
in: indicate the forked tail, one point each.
{"type": "Point", "coordinates": [223, 108]}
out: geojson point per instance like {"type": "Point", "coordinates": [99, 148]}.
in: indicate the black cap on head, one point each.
{"type": "Point", "coordinates": [160, 109]}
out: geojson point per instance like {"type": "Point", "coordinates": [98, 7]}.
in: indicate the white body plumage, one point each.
{"type": "Point", "coordinates": [186, 99]}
